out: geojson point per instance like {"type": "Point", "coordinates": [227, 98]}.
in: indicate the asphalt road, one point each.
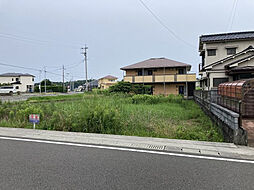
{"type": "Point", "coordinates": [31, 165]}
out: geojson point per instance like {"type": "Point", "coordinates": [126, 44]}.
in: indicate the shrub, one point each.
{"type": "Point", "coordinates": [51, 88]}
{"type": "Point", "coordinates": [123, 87]}
{"type": "Point", "coordinates": [127, 87]}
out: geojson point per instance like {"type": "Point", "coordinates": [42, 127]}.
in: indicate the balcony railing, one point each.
{"type": "Point", "coordinates": [161, 78]}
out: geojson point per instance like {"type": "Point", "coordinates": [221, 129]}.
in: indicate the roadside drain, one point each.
{"type": "Point", "coordinates": [148, 146]}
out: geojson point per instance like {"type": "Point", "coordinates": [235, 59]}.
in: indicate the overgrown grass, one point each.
{"type": "Point", "coordinates": [139, 115]}
{"type": "Point", "coordinates": [55, 98]}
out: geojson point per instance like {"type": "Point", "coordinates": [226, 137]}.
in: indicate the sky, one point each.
{"type": "Point", "coordinates": [48, 34]}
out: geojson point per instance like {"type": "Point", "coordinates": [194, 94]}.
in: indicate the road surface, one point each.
{"type": "Point", "coordinates": [35, 165]}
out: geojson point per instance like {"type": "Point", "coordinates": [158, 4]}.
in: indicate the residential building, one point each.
{"type": "Point", "coordinates": [107, 81]}
{"type": "Point", "coordinates": [22, 82]}
{"type": "Point", "coordinates": [166, 76]}
{"type": "Point", "coordinates": [225, 57]}
{"type": "Point", "coordinates": [91, 85]}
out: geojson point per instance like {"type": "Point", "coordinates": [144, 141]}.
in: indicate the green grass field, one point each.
{"type": "Point", "coordinates": [139, 115]}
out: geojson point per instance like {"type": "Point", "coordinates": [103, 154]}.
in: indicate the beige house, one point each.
{"type": "Point", "coordinates": [106, 82]}
{"type": "Point", "coordinates": [22, 82]}
{"type": "Point", "coordinates": [225, 57]}
{"type": "Point", "coordinates": [164, 75]}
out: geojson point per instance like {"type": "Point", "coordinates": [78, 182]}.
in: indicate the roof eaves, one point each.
{"type": "Point", "coordinates": [249, 49]}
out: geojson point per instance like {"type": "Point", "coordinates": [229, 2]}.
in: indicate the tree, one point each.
{"type": "Point", "coordinates": [127, 87]}
{"type": "Point", "coordinates": [48, 82]}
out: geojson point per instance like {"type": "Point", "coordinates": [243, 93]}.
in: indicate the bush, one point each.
{"type": "Point", "coordinates": [51, 88]}
{"type": "Point", "coordinates": [127, 87]}
{"type": "Point", "coordinates": [123, 87]}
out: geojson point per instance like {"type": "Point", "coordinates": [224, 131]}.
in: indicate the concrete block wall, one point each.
{"type": "Point", "coordinates": [224, 118]}
{"type": "Point", "coordinates": [229, 117]}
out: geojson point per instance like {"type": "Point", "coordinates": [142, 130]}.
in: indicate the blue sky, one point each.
{"type": "Point", "coordinates": [50, 33]}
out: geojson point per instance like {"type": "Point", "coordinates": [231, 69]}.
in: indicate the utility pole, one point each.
{"type": "Point", "coordinates": [68, 74]}
{"type": "Point", "coordinates": [45, 80]}
{"type": "Point", "coordinates": [40, 81]}
{"type": "Point", "coordinates": [72, 83]}
{"type": "Point", "coordinates": [63, 78]}
{"type": "Point", "coordinates": [85, 61]}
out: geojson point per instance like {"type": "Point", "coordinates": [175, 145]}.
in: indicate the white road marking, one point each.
{"type": "Point", "coordinates": [130, 150]}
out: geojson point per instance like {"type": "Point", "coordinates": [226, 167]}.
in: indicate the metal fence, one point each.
{"type": "Point", "coordinates": [212, 96]}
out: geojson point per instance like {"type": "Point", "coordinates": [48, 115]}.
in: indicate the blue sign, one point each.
{"type": "Point", "coordinates": [34, 118]}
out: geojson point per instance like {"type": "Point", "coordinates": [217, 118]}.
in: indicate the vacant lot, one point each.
{"type": "Point", "coordinates": [139, 115]}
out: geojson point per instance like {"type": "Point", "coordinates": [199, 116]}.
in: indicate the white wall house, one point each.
{"type": "Point", "coordinates": [22, 82]}
{"type": "Point", "coordinates": [226, 57]}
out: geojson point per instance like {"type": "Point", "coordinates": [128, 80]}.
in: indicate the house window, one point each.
{"type": "Point", "coordinates": [181, 90]}
{"type": "Point", "coordinates": [211, 52]}
{"type": "Point", "coordinates": [217, 81]}
{"type": "Point", "coordinates": [17, 79]}
{"type": "Point", "coordinates": [32, 79]}
{"type": "Point", "coordinates": [231, 51]}
{"type": "Point", "coordinates": [12, 79]}
{"type": "Point", "coordinates": [149, 72]}
{"type": "Point", "coordinates": [140, 73]}
{"type": "Point", "coordinates": [180, 71]}
{"type": "Point", "coordinates": [17, 87]}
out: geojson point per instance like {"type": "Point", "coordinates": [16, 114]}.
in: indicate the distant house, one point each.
{"type": "Point", "coordinates": [107, 81]}
{"type": "Point", "coordinates": [22, 82]}
{"type": "Point", "coordinates": [166, 76]}
{"type": "Point", "coordinates": [91, 85]}
{"type": "Point", "coordinates": [225, 57]}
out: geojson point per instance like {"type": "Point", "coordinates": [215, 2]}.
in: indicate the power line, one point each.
{"type": "Point", "coordinates": [54, 73]}
{"type": "Point", "coordinates": [232, 15]}
{"type": "Point", "coordinates": [69, 67]}
{"type": "Point", "coordinates": [27, 68]}
{"type": "Point", "coordinates": [74, 65]}
{"type": "Point", "coordinates": [157, 18]}
{"type": "Point", "coordinates": [21, 67]}
{"type": "Point", "coordinates": [41, 42]}
{"type": "Point", "coordinates": [38, 70]}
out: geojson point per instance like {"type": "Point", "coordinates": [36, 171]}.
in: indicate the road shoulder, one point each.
{"type": "Point", "coordinates": [160, 144]}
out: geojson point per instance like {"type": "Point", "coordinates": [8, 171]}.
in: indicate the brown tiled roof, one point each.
{"type": "Point", "coordinates": [109, 77]}
{"type": "Point", "coordinates": [156, 63]}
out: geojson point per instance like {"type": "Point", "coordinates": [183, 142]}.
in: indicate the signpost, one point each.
{"type": "Point", "coordinates": [34, 118]}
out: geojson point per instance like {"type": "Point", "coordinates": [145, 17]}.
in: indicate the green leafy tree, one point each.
{"type": "Point", "coordinates": [127, 87]}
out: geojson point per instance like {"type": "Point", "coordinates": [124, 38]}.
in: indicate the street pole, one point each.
{"type": "Point", "coordinates": [40, 81]}
{"type": "Point", "coordinates": [85, 61]}
{"type": "Point", "coordinates": [45, 80]}
{"type": "Point", "coordinates": [63, 78]}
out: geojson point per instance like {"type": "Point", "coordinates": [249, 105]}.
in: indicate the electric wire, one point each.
{"type": "Point", "coordinates": [158, 19]}
{"type": "Point", "coordinates": [21, 67]}
{"type": "Point", "coordinates": [232, 15]}
{"type": "Point", "coordinates": [36, 41]}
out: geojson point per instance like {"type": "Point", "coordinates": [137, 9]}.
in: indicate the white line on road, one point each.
{"type": "Point", "coordinates": [130, 150]}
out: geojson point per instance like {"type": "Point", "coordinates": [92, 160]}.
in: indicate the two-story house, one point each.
{"type": "Point", "coordinates": [225, 57]}
{"type": "Point", "coordinates": [22, 82]}
{"type": "Point", "coordinates": [106, 82]}
{"type": "Point", "coordinates": [166, 76]}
